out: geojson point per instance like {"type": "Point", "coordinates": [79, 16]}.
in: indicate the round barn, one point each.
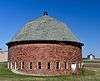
{"type": "Point", "coordinates": [45, 46]}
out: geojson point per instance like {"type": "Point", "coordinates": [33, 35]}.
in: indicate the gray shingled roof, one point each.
{"type": "Point", "coordinates": [45, 28]}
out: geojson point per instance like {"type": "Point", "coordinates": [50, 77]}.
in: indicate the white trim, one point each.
{"type": "Point", "coordinates": [11, 65]}
{"type": "Point", "coordinates": [21, 65]}
{"type": "Point", "coordinates": [67, 65]}
{"type": "Point", "coordinates": [59, 65]}
{"type": "Point", "coordinates": [15, 65]}
{"type": "Point", "coordinates": [29, 65]}
{"type": "Point", "coordinates": [8, 65]}
{"type": "Point", "coordinates": [82, 64]}
{"type": "Point", "coordinates": [73, 67]}
{"type": "Point", "coordinates": [79, 64]}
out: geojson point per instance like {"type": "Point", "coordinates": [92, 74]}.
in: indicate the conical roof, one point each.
{"type": "Point", "coordinates": [45, 28]}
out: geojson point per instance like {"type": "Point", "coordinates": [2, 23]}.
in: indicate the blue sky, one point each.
{"type": "Point", "coordinates": [82, 17]}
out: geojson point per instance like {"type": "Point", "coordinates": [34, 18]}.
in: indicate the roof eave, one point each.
{"type": "Point", "coordinates": [44, 41]}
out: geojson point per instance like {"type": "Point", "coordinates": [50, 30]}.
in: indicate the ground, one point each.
{"type": "Point", "coordinates": [93, 74]}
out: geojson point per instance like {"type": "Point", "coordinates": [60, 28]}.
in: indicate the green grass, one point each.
{"type": "Point", "coordinates": [86, 75]}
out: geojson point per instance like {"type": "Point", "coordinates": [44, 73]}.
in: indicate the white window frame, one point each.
{"type": "Point", "coordinates": [21, 66]}
{"type": "Point", "coordinates": [74, 67]}
{"type": "Point", "coordinates": [8, 65]}
{"type": "Point", "coordinates": [11, 65]}
{"type": "Point", "coordinates": [66, 65]}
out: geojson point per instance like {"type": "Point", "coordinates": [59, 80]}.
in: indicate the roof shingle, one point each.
{"type": "Point", "coordinates": [45, 28]}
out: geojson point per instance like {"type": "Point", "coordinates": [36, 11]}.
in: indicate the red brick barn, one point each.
{"type": "Point", "coordinates": [45, 46]}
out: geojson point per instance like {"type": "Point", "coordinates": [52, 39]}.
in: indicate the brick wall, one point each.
{"type": "Point", "coordinates": [45, 53]}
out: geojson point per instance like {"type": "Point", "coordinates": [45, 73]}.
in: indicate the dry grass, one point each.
{"type": "Point", "coordinates": [87, 75]}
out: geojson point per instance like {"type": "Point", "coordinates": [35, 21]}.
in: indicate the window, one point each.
{"type": "Point", "coordinates": [48, 65]}
{"type": "Point", "coordinates": [22, 65]}
{"type": "Point", "coordinates": [8, 65]}
{"type": "Point", "coordinates": [57, 65]}
{"type": "Point", "coordinates": [39, 65]}
{"type": "Point", "coordinates": [11, 65]}
{"type": "Point", "coordinates": [65, 65]}
{"type": "Point", "coordinates": [30, 65]}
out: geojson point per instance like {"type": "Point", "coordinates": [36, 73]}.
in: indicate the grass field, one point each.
{"type": "Point", "coordinates": [7, 75]}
